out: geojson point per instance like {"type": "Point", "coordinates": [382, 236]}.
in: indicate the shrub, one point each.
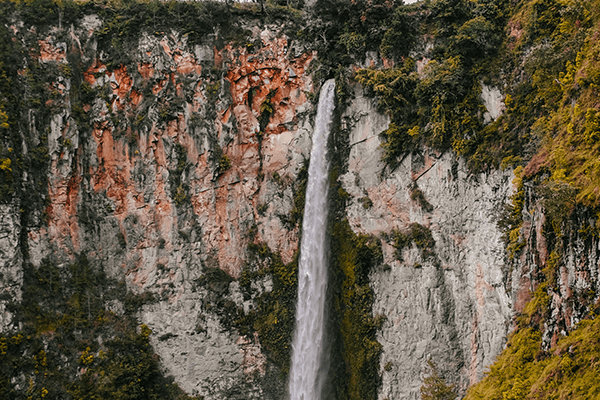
{"type": "Point", "coordinates": [434, 386]}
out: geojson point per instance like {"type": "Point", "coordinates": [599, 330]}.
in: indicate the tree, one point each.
{"type": "Point", "coordinates": [434, 386]}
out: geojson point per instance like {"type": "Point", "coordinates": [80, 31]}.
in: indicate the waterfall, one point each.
{"type": "Point", "coordinates": [307, 373]}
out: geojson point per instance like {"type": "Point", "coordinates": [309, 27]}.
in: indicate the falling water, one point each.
{"type": "Point", "coordinates": [306, 374]}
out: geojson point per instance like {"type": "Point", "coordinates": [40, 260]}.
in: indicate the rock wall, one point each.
{"type": "Point", "coordinates": [186, 149]}
{"type": "Point", "coordinates": [569, 263]}
{"type": "Point", "coordinates": [11, 259]}
{"type": "Point", "coordinates": [454, 306]}
{"type": "Point", "coordinates": [189, 148]}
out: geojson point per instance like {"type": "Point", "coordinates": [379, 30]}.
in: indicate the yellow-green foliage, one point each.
{"type": "Point", "coordinates": [3, 118]}
{"type": "Point", "coordinates": [440, 106]}
{"type": "Point", "coordinates": [419, 235]}
{"type": "Point", "coordinates": [394, 89]}
{"type": "Point", "coordinates": [557, 100]}
{"type": "Point", "coordinates": [274, 312]}
{"type": "Point", "coordinates": [434, 385]}
{"type": "Point", "coordinates": [355, 255]}
{"type": "Point", "coordinates": [523, 371]}
{"type": "Point", "coordinates": [515, 218]}
{"type": "Point", "coordinates": [224, 163]}
{"type": "Point", "coordinates": [274, 315]}
{"type": "Point", "coordinates": [539, 305]}
{"type": "Point", "coordinates": [574, 151]}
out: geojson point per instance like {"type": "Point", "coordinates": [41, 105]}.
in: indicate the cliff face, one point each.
{"type": "Point", "coordinates": [183, 159]}
{"type": "Point", "coordinates": [568, 260]}
{"type": "Point", "coordinates": [189, 148]}
{"type": "Point", "coordinates": [453, 304]}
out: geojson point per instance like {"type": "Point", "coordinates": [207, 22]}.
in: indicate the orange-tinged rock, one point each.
{"type": "Point", "coordinates": [146, 70]}
{"type": "Point", "coordinates": [121, 85]}
{"type": "Point", "coordinates": [156, 89]}
{"type": "Point", "coordinates": [186, 64]}
{"type": "Point", "coordinates": [90, 74]}
{"type": "Point", "coordinates": [223, 203]}
{"type": "Point", "coordinates": [136, 98]}
{"type": "Point", "coordinates": [218, 58]}
{"type": "Point", "coordinates": [50, 53]}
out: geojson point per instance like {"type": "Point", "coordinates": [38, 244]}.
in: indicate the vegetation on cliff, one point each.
{"type": "Point", "coordinates": [525, 371]}
{"type": "Point", "coordinates": [543, 54]}
{"type": "Point", "coordinates": [70, 345]}
{"type": "Point", "coordinates": [355, 255]}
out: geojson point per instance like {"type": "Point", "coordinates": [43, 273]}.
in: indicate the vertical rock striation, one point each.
{"type": "Point", "coordinates": [450, 303]}
{"type": "Point", "coordinates": [173, 157]}
{"type": "Point", "coordinates": [166, 164]}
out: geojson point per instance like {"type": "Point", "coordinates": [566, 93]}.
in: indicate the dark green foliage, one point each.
{"type": "Point", "coordinates": [366, 202]}
{"type": "Point", "coordinates": [434, 385]}
{"type": "Point", "coordinates": [441, 107]}
{"type": "Point", "coordinates": [274, 314]}
{"type": "Point", "coordinates": [417, 234]}
{"type": "Point", "coordinates": [266, 110]}
{"type": "Point", "coordinates": [418, 196]}
{"type": "Point", "coordinates": [215, 280]}
{"type": "Point", "coordinates": [342, 31]}
{"type": "Point", "coordinates": [400, 36]}
{"type": "Point", "coordinates": [511, 217]}
{"type": "Point", "coordinates": [448, 16]}
{"type": "Point", "coordinates": [354, 257]}
{"type": "Point", "coordinates": [39, 13]}
{"type": "Point", "coordinates": [179, 188]}
{"type": "Point", "coordinates": [299, 195]}
{"type": "Point", "coordinates": [128, 370]}
{"type": "Point", "coordinates": [395, 89]}
{"type": "Point", "coordinates": [70, 346]}
{"type": "Point", "coordinates": [127, 19]}
{"type": "Point", "coordinates": [11, 158]}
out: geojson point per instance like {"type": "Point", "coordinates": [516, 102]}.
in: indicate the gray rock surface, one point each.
{"type": "Point", "coordinates": [454, 306]}
{"type": "Point", "coordinates": [114, 195]}
{"type": "Point", "coordinates": [11, 273]}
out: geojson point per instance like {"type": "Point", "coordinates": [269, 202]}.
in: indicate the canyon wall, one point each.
{"type": "Point", "coordinates": [189, 153]}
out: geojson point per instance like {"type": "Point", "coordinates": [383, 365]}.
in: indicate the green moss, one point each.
{"type": "Point", "coordinates": [511, 219]}
{"type": "Point", "coordinates": [354, 257]}
{"type": "Point", "coordinates": [441, 106]}
{"type": "Point", "coordinates": [366, 202]}
{"type": "Point", "coordinates": [179, 188]}
{"type": "Point", "coordinates": [419, 235]}
{"type": "Point", "coordinates": [23, 82]}
{"type": "Point", "coordinates": [417, 195]}
{"type": "Point", "coordinates": [524, 372]}
{"type": "Point", "coordinates": [434, 385]}
{"type": "Point", "coordinates": [224, 163]}
{"type": "Point", "coordinates": [274, 314]}
{"type": "Point", "coordinates": [299, 195]}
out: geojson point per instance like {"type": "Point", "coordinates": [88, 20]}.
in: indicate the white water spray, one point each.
{"type": "Point", "coordinates": [306, 373]}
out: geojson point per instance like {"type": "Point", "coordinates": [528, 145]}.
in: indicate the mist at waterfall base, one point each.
{"type": "Point", "coordinates": [308, 372]}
